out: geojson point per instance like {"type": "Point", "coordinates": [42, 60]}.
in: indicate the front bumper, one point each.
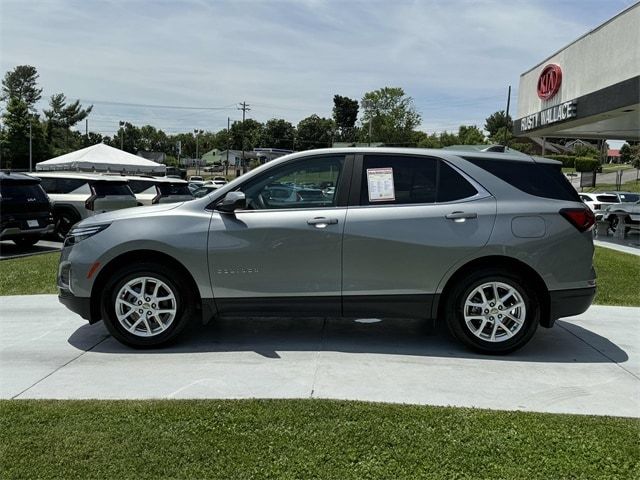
{"type": "Point", "coordinates": [79, 305]}
{"type": "Point", "coordinates": [567, 303]}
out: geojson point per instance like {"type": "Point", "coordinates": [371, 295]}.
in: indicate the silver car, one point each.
{"type": "Point", "coordinates": [492, 243]}
{"type": "Point", "coordinates": [75, 196]}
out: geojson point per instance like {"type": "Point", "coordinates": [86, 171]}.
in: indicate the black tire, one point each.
{"type": "Point", "coordinates": [185, 304]}
{"type": "Point", "coordinates": [65, 219]}
{"type": "Point", "coordinates": [25, 242]}
{"type": "Point", "coordinates": [455, 311]}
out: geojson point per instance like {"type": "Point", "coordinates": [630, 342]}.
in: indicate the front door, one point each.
{"type": "Point", "coordinates": [283, 254]}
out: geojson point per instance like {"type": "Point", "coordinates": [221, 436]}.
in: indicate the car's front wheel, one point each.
{"type": "Point", "coordinates": [146, 305]}
{"type": "Point", "coordinates": [493, 311]}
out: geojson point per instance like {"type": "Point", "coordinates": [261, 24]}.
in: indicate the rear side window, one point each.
{"type": "Point", "coordinates": [415, 180]}
{"type": "Point", "coordinates": [139, 186]}
{"type": "Point", "coordinates": [607, 198]}
{"type": "Point", "coordinates": [629, 197]}
{"type": "Point", "coordinates": [18, 192]}
{"type": "Point", "coordinates": [63, 185]}
{"type": "Point", "coordinates": [539, 179]}
{"type": "Point", "coordinates": [103, 189]}
{"type": "Point", "coordinates": [167, 189]}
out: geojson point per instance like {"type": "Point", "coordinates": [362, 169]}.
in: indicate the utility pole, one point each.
{"type": "Point", "coordinates": [197, 134]}
{"type": "Point", "coordinates": [506, 130]}
{"type": "Point", "coordinates": [226, 165]}
{"type": "Point", "coordinates": [244, 107]}
{"type": "Point", "coordinates": [369, 104]}
{"type": "Point", "coordinates": [30, 149]}
{"type": "Point", "coordinates": [121, 135]}
{"type": "Point", "coordinates": [86, 130]}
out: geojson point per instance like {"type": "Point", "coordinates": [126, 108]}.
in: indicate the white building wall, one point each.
{"type": "Point", "coordinates": [603, 57]}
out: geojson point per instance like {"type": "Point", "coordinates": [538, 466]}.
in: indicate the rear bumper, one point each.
{"type": "Point", "coordinates": [17, 232]}
{"type": "Point", "coordinates": [566, 303]}
{"type": "Point", "coordinates": [79, 305]}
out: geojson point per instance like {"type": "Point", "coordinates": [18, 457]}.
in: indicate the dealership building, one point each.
{"type": "Point", "coordinates": [590, 89]}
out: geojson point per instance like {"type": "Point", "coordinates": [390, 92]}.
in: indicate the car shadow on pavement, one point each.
{"type": "Point", "coordinates": [9, 249]}
{"type": "Point", "coordinates": [565, 343]}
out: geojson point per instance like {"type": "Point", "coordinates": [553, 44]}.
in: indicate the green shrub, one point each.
{"type": "Point", "coordinates": [586, 164]}
{"type": "Point", "coordinates": [568, 161]}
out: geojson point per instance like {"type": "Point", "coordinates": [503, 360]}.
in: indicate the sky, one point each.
{"type": "Point", "coordinates": [286, 59]}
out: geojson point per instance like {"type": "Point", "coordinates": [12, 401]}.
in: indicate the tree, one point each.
{"type": "Point", "coordinates": [17, 119]}
{"type": "Point", "coordinates": [22, 83]}
{"type": "Point", "coordinates": [253, 132]}
{"type": "Point", "coordinates": [392, 115]}
{"type": "Point", "coordinates": [59, 119]}
{"type": "Point", "coordinates": [278, 133]}
{"type": "Point", "coordinates": [625, 153]}
{"type": "Point", "coordinates": [423, 140]}
{"type": "Point", "coordinates": [635, 156]}
{"type": "Point", "coordinates": [447, 139]}
{"type": "Point", "coordinates": [314, 132]}
{"type": "Point", "coordinates": [496, 121]}
{"type": "Point", "coordinates": [345, 115]}
{"type": "Point", "coordinates": [470, 135]}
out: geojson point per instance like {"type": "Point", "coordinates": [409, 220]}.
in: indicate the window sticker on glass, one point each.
{"type": "Point", "coordinates": [380, 181]}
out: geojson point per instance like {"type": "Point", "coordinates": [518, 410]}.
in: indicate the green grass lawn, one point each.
{"type": "Point", "coordinates": [630, 186]}
{"type": "Point", "coordinates": [306, 439]}
{"type": "Point", "coordinates": [616, 271]}
{"type": "Point", "coordinates": [29, 275]}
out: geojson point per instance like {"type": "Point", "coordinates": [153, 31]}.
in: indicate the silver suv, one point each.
{"type": "Point", "coordinates": [494, 244]}
{"type": "Point", "coordinates": [75, 196]}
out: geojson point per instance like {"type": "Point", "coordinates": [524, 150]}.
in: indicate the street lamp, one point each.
{"type": "Point", "coordinates": [121, 135]}
{"type": "Point", "coordinates": [197, 134]}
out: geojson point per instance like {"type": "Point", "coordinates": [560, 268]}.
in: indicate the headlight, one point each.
{"type": "Point", "coordinates": [78, 234]}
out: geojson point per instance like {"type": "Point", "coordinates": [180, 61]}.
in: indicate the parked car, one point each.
{"type": "Point", "coordinates": [598, 201]}
{"type": "Point", "coordinates": [153, 190]}
{"type": "Point", "coordinates": [217, 182]}
{"type": "Point", "coordinates": [206, 189]}
{"type": "Point", "coordinates": [625, 197]}
{"type": "Point", "coordinates": [491, 243]}
{"type": "Point", "coordinates": [25, 210]}
{"type": "Point", "coordinates": [629, 211]}
{"type": "Point", "coordinates": [196, 180]}
{"type": "Point", "coordinates": [75, 196]}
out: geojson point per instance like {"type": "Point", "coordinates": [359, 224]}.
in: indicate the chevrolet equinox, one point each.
{"type": "Point", "coordinates": [494, 244]}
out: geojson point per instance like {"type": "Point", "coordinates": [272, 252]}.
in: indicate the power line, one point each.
{"type": "Point", "coordinates": [145, 105]}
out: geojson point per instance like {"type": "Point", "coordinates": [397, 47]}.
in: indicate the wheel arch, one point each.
{"type": "Point", "coordinates": [134, 256]}
{"type": "Point", "coordinates": [510, 265]}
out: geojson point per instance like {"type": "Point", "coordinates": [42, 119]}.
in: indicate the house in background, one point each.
{"type": "Point", "coordinates": [613, 155]}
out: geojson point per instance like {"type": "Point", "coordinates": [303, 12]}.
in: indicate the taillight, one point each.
{"type": "Point", "coordinates": [581, 218]}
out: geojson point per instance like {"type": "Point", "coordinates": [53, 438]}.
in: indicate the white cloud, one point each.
{"type": "Point", "coordinates": [287, 59]}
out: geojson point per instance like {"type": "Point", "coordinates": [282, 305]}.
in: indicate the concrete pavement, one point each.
{"type": "Point", "coordinates": [588, 364]}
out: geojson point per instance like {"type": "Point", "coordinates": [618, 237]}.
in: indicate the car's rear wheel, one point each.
{"type": "Point", "coordinates": [65, 219]}
{"type": "Point", "coordinates": [146, 305]}
{"type": "Point", "coordinates": [492, 311]}
{"type": "Point", "coordinates": [24, 242]}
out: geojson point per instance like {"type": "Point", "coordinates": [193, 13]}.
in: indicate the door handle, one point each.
{"type": "Point", "coordinates": [460, 216]}
{"type": "Point", "coordinates": [322, 222]}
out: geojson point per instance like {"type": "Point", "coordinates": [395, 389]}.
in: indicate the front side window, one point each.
{"type": "Point", "coordinates": [403, 180]}
{"type": "Point", "coordinates": [308, 183]}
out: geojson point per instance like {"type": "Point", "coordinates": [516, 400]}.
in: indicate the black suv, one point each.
{"type": "Point", "coordinates": [25, 211]}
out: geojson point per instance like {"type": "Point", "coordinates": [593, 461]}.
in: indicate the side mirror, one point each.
{"type": "Point", "coordinates": [231, 202]}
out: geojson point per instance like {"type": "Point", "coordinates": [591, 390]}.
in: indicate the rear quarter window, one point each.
{"type": "Point", "coordinates": [538, 179]}
{"type": "Point", "coordinates": [111, 188]}
{"type": "Point", "coordinates": [167, 189]}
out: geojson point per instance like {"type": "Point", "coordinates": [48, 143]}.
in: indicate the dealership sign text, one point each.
{"type": "Point", "coordinates": [548, 116]}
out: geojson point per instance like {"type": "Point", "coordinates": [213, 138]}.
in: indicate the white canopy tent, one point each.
{"type": "Point", "coordinates": [102, 158]}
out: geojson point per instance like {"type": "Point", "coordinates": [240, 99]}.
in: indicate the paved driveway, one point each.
{"type": "Point", "coordinates": [588, 364]}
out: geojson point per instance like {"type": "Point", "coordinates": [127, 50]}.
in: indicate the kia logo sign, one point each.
{"type": "Point", "coordinates": [549, 81]}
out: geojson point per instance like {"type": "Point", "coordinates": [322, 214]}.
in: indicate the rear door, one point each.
{"type": "Point", "coordinates": [415, 218]}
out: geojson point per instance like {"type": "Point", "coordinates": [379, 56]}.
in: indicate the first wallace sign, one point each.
{"type": "Point", "coordinates": [550, 115]}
